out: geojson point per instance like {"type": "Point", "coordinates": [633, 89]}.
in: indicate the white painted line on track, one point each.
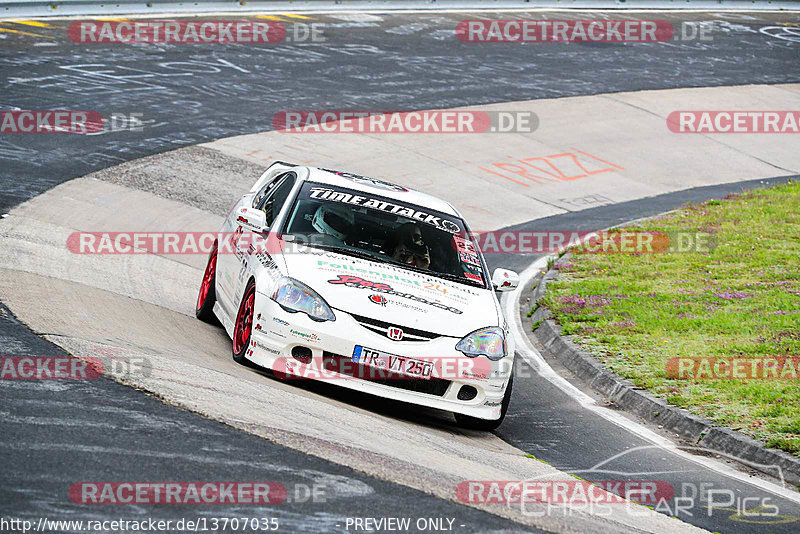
{"type": "Point", "coordinates": [511, 303]}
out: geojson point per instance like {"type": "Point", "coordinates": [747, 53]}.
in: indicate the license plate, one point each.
{"type": "Point", "coordinates": [392, 363]}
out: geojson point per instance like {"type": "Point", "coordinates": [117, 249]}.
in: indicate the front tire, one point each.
{"type": "Point", "coordinates": [204, 310]}
{"type": "Point", "coordinates": [244, 325]}
{"type": "Point", "coordinates": [473, 423]}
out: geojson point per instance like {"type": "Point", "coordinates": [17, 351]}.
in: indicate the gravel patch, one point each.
{"type": "Point", "coordinates": [200, 177]}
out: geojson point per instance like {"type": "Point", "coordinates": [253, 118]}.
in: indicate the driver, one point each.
{"type": "Point", "coordinates": [334, 220]}
{"type": "Point", "coordinates": [409, 246]}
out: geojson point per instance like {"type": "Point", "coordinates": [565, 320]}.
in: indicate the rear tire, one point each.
{"type": "Point", "coordinates": [242, 331]}
{"type": "Point", "coordinates": [204, 310]}
{"type": "Point", "coordinates": [473, 423]}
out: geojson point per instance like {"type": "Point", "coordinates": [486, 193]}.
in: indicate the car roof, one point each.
{"type": "Point", "coordinates": [393, 191]}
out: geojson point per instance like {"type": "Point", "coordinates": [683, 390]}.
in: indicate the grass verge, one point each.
{"type": "Point", "coordinates": [738, 298]}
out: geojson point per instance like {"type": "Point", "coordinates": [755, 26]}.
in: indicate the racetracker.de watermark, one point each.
{"type": "Point", "coordinates": [495, 242]}
{"type": "Point", "coordinates": [408, 122]}
{"type": "Point", "coordinates": [710, 122]}
{"type": "Point", "coordinates": [605, 242]}
{"type": "Point", "coordinates": [49, 368]}
{"type": "Point", "coordinates": [72, 368]}
{"type": "Point", "coordinates": [734, 368]}
{"type": "Point", "coordinates": [576, 31]}
{"type": "Point", "coordinates": [372, 365]}
{"type": "Point", "coordinates": [570, 491]}
{"type": "Point", "coordinates": [67, 122]}
{"type": "Point", "coordinates": [177, 493]}
{"type": "Point", "coordinates": [173, 242]}
{"type": "Point", "coordinates": [190, 31]}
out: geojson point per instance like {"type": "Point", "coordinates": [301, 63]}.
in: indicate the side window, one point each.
{"type": "Point", "coordinates": [266, 189]}
{"type": "Point", "coordinates": [275, 197]}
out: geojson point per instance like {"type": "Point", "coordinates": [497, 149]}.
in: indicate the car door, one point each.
{"type": "Point", "coordinates": [270, 199]}
{"type": "Point", "coordinates": [229, 262]}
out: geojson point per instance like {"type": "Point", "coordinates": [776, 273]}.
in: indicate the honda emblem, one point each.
{"type": "Point", "coordinates": [395, 333]}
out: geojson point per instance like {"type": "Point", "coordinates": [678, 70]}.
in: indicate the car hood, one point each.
{"type": "Point", "coordinates": [395, 295]}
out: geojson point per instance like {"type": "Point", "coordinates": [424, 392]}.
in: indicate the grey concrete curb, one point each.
{"type": "Point", "coordinates": [626, 396]}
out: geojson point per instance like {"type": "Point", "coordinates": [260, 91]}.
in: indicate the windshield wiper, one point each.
{"type": "Point", "coordinates": [460, 279]}
{"type": "Point", "coordinates": [347, 251]}
{"type": "Point", "coordinates": [367, 256]}
{"type": "Point", "coordinates": [439, 274]}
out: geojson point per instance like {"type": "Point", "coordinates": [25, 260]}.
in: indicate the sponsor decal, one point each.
{"type": "Point", "coordinates": [471, 259]}
{"type": "Point", "coordinates": [259, 345]}
{"type": "Point", "coordinates": [266, 260]}
{"type": "Point", "coordinates": [357, 281]}
{"type": "Point", "coordinates": [361, 283]}
{"type": "Point", "coordinates": [464, 245]}
{"type": "Point", "coordinates": [493, 403]}
{"type": "Point", "coordinates": [335, 195]}
{"type": "Point", "coordinates": [383, 301]}
{"type": "Point", "coordinates": [314, 338]}
{"type": "Point", "coordinates": [447, 290]}
{"type": "Point", "coordinates": [280, 321]}
{"type": "Point", "coordinates": [474, 376]}
{"type": "Point", "coordinates": [378, 299]}
{"type": "Point", "coordinates": [407, 306]}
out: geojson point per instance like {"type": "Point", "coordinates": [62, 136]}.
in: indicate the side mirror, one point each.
{"type": "Point", "coordinates": [252, 219]}
{"type": "Point", "coordinates": [504, 280]}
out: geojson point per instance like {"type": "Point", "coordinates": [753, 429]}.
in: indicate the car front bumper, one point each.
{"type": "Point", "coordinates": [277, 334]}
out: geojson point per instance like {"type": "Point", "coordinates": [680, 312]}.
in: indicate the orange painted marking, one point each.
{"type": "Point", "coordinates": [522, 171]}
{"type": "Point", "coordinates": [551, 168]}
{"type": "Point", "coordinates": [598, 159]}
{"type": "Point", "coordinates": [503, 176]}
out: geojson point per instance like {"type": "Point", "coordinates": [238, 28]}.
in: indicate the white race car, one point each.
{"type": "Point", "coordinates": [333, 276]}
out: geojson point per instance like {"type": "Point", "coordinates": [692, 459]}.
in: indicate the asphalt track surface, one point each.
{"type": "Point", "coordinates": [56, 434]}
{"type": "Point", "coordinates": [188, 94]}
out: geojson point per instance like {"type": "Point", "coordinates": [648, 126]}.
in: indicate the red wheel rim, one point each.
{"type": "Point", "coordinates": [208, 278]}
{"type": "Point", "coordinates": [244, 321]}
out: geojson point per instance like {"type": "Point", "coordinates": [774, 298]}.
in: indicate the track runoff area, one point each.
{"type": "Point", "coordinates": [545, 167]}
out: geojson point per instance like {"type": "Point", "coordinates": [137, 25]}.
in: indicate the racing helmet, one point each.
{"type": "Point", "coordinates": [410, 236]}
{"type": "Point", "coordinates": [334, 220]}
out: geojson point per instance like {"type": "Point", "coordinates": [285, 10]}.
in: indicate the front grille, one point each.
{"type": "Point", "coordinates": [432, 386]}
{"type": "Point", "coordinates": [382, 328]}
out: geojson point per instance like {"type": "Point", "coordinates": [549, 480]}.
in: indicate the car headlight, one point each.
{"type": "Point", "coordinates": [294, 296]}
{"type": "Point", "coordinates": [489, 342]}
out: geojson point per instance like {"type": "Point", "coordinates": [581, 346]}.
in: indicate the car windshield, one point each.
{"type": "Point", "coordinates": [361, 224]}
